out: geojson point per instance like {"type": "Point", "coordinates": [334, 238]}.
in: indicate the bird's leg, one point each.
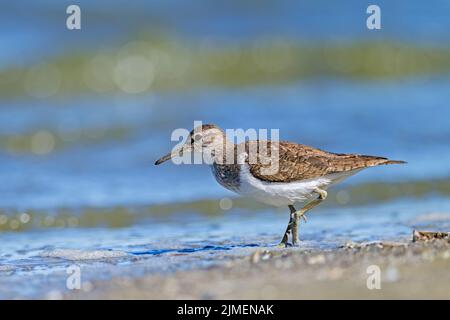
{"type": "Point", "coordinates": [322, 196]}
{"type": "Point", "coordinates": [284, 241]}
{"type": "Point", "coordinates": [301, 214]}
{"type": "Point", "coordinates": [295, 224]}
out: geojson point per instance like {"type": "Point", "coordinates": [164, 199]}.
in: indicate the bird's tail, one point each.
{"type": "Point", "coordinates": [346, 162]}
{"type": "Point", "coordinates": [371, 161]}
{"type": "Point", "coordinates": [394, 162]}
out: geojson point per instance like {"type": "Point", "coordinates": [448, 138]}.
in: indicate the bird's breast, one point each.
{"type": "Point", "coordinates": [227, 175]}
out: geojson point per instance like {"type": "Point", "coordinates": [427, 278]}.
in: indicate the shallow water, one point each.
{"type": "Point", "coordinates": [78, 181]}
{"type": "Point", "coordinates": [38, 260]}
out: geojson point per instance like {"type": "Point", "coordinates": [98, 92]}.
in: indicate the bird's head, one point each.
{"type": "Point", "coordinates": [207, 139]}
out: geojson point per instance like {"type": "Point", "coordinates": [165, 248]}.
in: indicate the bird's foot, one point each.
{"type": "Point", "coordinates": [295, 244]}
{"type": "Point", "coordinates": [288, 244]}
{"type": "Point", "coordinates": [283, 245]}
{"type": "Point", "coordinates": [302, 215]}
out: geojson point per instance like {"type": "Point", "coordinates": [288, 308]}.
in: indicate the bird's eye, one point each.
{"type": "Point", "coordinates": [197, 137]}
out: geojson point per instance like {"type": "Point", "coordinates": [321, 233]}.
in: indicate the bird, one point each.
{"type": "Point", "coordinates": [302, 173]}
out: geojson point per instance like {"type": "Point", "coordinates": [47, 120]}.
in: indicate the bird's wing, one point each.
{"type": "Point", "coordinates": [300, 162]}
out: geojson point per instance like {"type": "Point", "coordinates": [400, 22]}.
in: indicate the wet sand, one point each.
{"type": "Point", "coordinates": [409, 270]}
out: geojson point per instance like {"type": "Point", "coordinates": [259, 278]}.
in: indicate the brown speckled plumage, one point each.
{"type": "Point", "coordinates": [300, 162]}
{"type": "Point", "coordinates": [295, 162]}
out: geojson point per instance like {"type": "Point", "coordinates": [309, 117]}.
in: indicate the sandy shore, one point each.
{"type": "Point", "coordinates": [417, 270]}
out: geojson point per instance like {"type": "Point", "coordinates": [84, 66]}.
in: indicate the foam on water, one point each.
{"type": "Point", "coordinates": [78, 255]}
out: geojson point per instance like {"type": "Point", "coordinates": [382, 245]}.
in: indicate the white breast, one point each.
{"type": "Point", "coordinates": [283, 194]}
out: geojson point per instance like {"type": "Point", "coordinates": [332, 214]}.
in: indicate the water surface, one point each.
{"type": "Point", "coordinates": [78, 181]}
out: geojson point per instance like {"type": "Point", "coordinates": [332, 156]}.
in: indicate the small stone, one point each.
{"type": "Point", "coordinates": [87, 286]}
{"type": "Point", "coordinates": [54, 295]}
{"type": "Point", "coordinates": [392, 274]}
{"type": "Point", "coordinates": [429, 235]}
{"type": "Point", "coordinates": [266, 255]}
{"type": "Point", "coordinates": [256, 257]}
{"type": "Point", "coordinates": [317, 259]}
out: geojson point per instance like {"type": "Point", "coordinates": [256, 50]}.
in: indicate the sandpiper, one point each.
{"type": "Point", "coordinates": [303, 173]}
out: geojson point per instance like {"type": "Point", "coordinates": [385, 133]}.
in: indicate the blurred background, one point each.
{"type": "Point", "coordinates": [85, 113]}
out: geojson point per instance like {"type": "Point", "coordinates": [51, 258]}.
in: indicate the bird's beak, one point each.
{"type": "Point", "coordinates": [164, 159]}
{"type": "Point", "coordinates": [177, 152]}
